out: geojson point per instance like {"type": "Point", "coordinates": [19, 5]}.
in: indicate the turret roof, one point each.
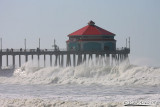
{"type": "Point", "coordinates": [91, 29]}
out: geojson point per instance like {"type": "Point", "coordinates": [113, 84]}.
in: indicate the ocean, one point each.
{"type": "Point", "coordinates": [86, 85]}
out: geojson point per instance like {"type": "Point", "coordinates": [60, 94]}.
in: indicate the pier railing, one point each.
{"type": "Point", "coordinates": [53, 50]}
{"type": "Point", "coordinates": [26, 50]}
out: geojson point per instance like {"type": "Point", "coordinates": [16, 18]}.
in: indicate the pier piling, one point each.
{"type": "Point", "coordinates": [50, 60]}
{"type": "Point", "coordinates": [19, 60]}
{"type": "Point", "coordinates": [7, 60]}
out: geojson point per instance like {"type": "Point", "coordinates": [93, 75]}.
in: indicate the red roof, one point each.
{"type": "Point", "coordinates": [91, 29]}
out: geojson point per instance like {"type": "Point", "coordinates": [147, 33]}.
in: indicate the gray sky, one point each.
{"type": "Point", "coordinates": [49, 19]}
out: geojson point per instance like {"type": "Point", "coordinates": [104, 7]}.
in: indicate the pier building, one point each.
{"type": "Point", "coordinates": [91, 38]}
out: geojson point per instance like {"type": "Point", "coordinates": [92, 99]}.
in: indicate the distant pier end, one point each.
{"type": "Point", "coordinates": [87, 43]}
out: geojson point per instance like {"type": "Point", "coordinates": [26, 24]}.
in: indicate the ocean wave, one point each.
{"type": "Point", "coordinates": [87, 74]}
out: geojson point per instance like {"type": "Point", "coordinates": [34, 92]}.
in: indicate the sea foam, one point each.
{"type": "Point", "coordinates": [122, 74]}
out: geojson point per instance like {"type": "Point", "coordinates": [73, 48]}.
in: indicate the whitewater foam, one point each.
{"type": "Point", "coordinates": [77, 101]}
{"type": "Point", "coordinates": [85, 74]}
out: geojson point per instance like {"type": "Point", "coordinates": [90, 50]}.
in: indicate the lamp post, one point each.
{"type": "Point", "coordinates": [39, 43]}
{"type": "Point", "coordinates": [1, 44]}
{"type": "Point", "coordinates": [25, 44]}
{"type": "Point", "coordinates": [129, 42]}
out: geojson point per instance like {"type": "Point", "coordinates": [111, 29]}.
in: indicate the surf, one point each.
{"type": "Point", "coordinates": [86, 73]}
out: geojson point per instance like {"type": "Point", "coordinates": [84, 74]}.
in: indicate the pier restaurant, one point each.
{"type": "Point", "coordinates": [91, 38]}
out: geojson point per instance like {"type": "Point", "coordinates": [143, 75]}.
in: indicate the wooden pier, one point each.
{"type": "Point", "coordinates": [72, 58]}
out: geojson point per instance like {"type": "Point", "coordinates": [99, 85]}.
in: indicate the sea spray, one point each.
{"type": "Point", "coordinates": [122, 74]}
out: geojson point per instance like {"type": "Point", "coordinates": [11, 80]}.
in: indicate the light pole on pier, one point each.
{"type": "Point", "coordinates": [25, 43]}
{"type": "Point", "coordinates": [126, 42]}
{"type": "Point", "coordinates": [129, 42]}
{"type": "Point", "coordinates": [39, 43]}
{"type": "Point", "coordinates": [1, 44]}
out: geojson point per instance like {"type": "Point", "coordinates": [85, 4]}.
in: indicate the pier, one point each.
{"type": "Point", "coordinates": [88, 43]}
{"type": "Point", "coordinates": [61, 57]}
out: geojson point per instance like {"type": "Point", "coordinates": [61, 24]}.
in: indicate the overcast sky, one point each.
{"type": "Point", "coordinates": [49, 19]}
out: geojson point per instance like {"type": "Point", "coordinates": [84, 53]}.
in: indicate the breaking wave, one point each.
{"type": "Point", "coordinates": [86, 74]}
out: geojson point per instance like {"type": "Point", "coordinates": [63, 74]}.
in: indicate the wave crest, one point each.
{"type": "Point", "coordinates": [86, 74]}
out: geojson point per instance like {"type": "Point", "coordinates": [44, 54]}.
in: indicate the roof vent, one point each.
{"type": "Point", "coordinates": [91, 23]}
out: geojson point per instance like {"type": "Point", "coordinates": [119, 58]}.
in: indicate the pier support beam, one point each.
{"type": "Point", "coordinates": [112, 57]}
{"type": "Point", "coordinates": [50, 60]}
{"type": "Point", "coordinates": [56, 58]}
{"type": "Point", "coordinates": [97, 58]}
{"type": "Point", "coordinates": [19, 60]}
{"type": "Point", "coordinates": [118, 59]}
{"type": "Point", "coordinates": [84, 58]}
{"type": "Point", "coordinates": [122, 57]}
{"type": "Point", "coordinates": [79, 59]}
{"type": "Point", "coordinates": [127, 58]}
{"type": "Point", "coordinates": [32, 57]}
{"type": "Point", "coordinates": [68, 63]}
{"type": "Point", "coordinates": [26, 58]}
{"type": "Point", "coordinates": [90, 56]}
{"type": "Point", "coordinates": [102, 58]}
{"type": "Point", "coordinates": [13, 59]}
{"type": "Point", "coordinates": [74, 60]}
{"type": "Point", "coordinates": [38, 61]}
{"type": "Point", "coordinates": [62, 60]}
{"type": "Point", "coordinates": [7, 60]}
{"type": "Point", "coordinates": [108, 59]}
{"type": "Point", "coordinates": [59, 60]}
{"type": "Point", "coordinates": [44, 60]}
